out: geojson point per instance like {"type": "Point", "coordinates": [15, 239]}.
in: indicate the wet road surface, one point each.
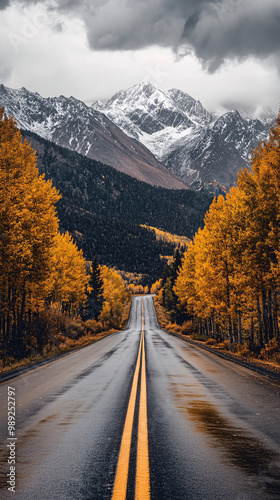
{"type": "Point", "coordinates": [190, 425]}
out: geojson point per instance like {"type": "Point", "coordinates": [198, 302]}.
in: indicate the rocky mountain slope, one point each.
{"type": "Point", "coordinates": [70, 123]}
{"type": "Point", "coordinates": [163, 138]}
{"type": "Point", "coordinates": [199, 149]}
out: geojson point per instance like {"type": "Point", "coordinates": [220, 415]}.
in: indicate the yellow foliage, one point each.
{"type": "Point", "coordinates": [230, 276]}
{"type": "Point", "coordinates": [35, 260]}
{"type": "Point", "coordinates": [177, 240]}
{"type": "Point", "coordinates": [68, 278]}
{"type": "Point", "coordinates": [114, 294]}
{"type": "Point", "coordinates": [156, 286]}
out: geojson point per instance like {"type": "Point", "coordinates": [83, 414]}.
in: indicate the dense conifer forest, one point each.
{"type": "Point", "coordinates": [103, 209]}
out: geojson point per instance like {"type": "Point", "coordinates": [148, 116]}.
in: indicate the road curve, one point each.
{"type": "Point", "coordinates": [142, 415]}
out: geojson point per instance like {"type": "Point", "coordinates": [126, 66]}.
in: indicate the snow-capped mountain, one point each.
{"type": "Point", "coordinates": [163, 138]}
{"type": "Point", "coordinates": [70, 123]}
{"type": "Point", "coordinates": [243, 134]}
{"type": "Point", "coordinates": [155, 118]}
{"type": "Point", "coordinates": [183, 135]}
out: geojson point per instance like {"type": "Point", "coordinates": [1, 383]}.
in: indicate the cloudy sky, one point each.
{"type": "Point", "coordinates": [223, 52]}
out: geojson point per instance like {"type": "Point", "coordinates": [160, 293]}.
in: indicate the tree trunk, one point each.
{"type": "Point", "coordinates": [275, 315]}
{"type": "Point", "coordinates": [270, 316]}
{"type": "Point", "coordinates": [252, 331]}
{"type": "Point", "coordinates": [240, 334]}
{"type": "Point", "coordinates": [260, 323]}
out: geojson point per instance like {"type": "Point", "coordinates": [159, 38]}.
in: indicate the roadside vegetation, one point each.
{"type": "Point", "coordinates": [226, 289]}
{"type": "Point", "coordinates": [49, 301]}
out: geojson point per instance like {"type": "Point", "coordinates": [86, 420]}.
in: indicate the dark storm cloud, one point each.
{"type": "Point", "coordinates": [122, 25]}
{"type": "Point", "coordinates": [234, 30]}
{"type": "Point", "coordinates": [4, 4]}
{"type": "Point", "coordinates": [216, 30]}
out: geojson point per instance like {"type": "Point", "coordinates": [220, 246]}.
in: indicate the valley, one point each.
{"type": "Point", "coordinates": [103, 210]}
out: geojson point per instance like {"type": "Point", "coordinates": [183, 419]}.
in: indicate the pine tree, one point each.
{"type": "Point", "coordinates": [95, 290]}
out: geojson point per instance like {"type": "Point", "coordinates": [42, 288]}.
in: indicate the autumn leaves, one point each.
{"type": "Point", "coordinates": [230, 276]}
{"type": "Point", "coordinates": [43, 273]}
{"type": "Point", "coordinates": [38, 264]}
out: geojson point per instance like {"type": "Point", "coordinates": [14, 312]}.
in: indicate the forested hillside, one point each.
{"type": "Point", "coordinates": [103, 209]}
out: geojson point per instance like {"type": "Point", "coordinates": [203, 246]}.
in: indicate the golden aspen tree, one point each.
{"type": "Point", "coordinates": [232, 267]}
{"type": "Point", "coordinates": [28, 224]}
{"type": "Point", "coordinates": [37, 264]}
{"type": "Point", "coordinates": [114, 294]}
{"type": "Point", "coordinates": [261, 195]}
{"type": "Point", "coordinates": [68, 280]}
{"type": "Point", "coordinates": [184, 287]}
{"type": "Point", "coordinates": [155, 287]}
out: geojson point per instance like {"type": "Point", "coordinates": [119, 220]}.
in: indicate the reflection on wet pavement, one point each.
{"type": "Point", "coordinates": [238, 446]}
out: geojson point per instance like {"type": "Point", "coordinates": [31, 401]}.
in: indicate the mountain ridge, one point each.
{"type": "Point", "coordinates": [162, 138]}
{"type": "Point", "coordinates": [70, 123]}
{"type": "Point", "coordinates": [196, 146]}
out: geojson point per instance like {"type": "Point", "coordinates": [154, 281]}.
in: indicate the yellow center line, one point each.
{"type": "Point", "coordinates": [121, 478]}
{"type": "Point", "coordinates": [142, 486]}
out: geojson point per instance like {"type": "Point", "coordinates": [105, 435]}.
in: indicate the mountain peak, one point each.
{"type": "Point", "coordinates": [176, 137]}
{"type": "Point", "coordinates": [190, 106]}
{"type": "Point", "coordinates": [3, 89]}
{"type": "Point", "coordinates": [177, 92]}
{"type": "Point", "coordinates": [70, 123]}
{"type": "Point", "coordinates": [145, 88]}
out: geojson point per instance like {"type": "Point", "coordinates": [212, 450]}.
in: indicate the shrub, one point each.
{"type": "Point", "coordinates": [173, 327]}
{"type": "Point", "coordinates": [92, 327]}
{"type": "Point", "coordinates": [211, 342]}
{"type": "Point", "coordinates": [187, 328]}
{"type": "Point", "coordinates": [271, 351]}
{"type": "Point", "coordinates": [199, 337]}
{"type": "Point", "coordinates": [74, 328]}
{"type": "Point", "coordinates": [244, 351]}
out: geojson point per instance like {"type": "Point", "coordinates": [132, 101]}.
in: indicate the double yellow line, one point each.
{"type": "Point", "coordinates": [142, 483]}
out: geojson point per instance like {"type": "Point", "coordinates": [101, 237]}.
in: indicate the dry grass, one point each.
{"type": "Point", "coordinates": [92, 332]}
{"type": "Point", "coordinates": [161, 314]}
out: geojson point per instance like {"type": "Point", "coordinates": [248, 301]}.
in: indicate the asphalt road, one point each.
{"type": "Point", "coordinates": [138, 415]}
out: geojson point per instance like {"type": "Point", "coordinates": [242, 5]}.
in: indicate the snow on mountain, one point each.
{"type": "Point", "coordinates": [203, 158]}
{"type": "Point", "coordinates": [155, 136]}
{"type": "Point", "coordinates": [243, 134]}
{"type": "Point", "coordinates": [152, 116]}
{"type": "Point", "coordinates": [70, 123]}
{"type": "Point", "coordinates": [193, 109]}
{"type": "Point", "coordinates": [264, 114]}
{"type": "Point", "coordinates": [196, 146]}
